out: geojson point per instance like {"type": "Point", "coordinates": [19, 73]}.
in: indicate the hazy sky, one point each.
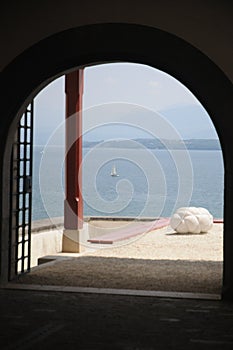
{"type": "Point", "coordinates": [126, 87]}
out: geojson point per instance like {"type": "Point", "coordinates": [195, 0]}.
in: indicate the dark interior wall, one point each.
{"type": "Point", "coordinates": [205, 24]}
{"type": "Point", "coordinates": [27, 73]}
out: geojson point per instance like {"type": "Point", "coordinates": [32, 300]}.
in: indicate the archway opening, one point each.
{"type": "Point", "coordinates": [54, 56]}
{"type": "Point", "coordinates": [198, 141]}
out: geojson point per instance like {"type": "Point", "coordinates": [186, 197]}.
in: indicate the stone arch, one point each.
{"type": "Point", "coordinates": [102, 43]}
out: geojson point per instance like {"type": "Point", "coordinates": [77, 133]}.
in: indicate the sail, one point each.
{"type": "Point", "coordinates": [114, 171]}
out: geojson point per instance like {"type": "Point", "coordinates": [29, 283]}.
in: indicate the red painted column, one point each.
{"type": "Point", "coordinates": [73, 206]}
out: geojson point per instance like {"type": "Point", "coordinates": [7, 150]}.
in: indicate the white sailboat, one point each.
{"type": "Point", "coordinates": [114, 171]}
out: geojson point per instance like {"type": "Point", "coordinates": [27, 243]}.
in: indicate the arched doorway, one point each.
{"type": "Point", "coordinates": [60, 53]}
{"type": "Point", "coordinates": [127, 169]}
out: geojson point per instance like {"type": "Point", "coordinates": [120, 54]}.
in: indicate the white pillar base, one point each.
{"type": "Point", "coordinates": [74, 241]}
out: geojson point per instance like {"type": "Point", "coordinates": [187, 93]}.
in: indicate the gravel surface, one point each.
{"type": "Point", "coordinates": [159, 260]}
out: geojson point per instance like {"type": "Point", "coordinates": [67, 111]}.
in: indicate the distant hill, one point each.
{"type": "Point", "coordinates": [191, 144]}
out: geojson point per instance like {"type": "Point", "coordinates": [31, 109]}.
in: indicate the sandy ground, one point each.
{"type": "Point", "coordinates": [160, 260]}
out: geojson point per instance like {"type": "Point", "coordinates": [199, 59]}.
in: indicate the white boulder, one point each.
{"type": "Point", "coordinates": [191, 220]}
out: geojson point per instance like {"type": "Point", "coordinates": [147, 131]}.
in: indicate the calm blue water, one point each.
{"type": "Point", "coordinates": [150, 183]}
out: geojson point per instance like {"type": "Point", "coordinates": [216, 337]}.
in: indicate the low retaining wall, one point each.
{"type": "Point", "coordinates": [46, 238]}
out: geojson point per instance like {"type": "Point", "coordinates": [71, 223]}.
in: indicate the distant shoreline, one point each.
{"type": "Point", "coordinates": [190, 144]}
{"type": "Point", "coordinates": [153, 144]}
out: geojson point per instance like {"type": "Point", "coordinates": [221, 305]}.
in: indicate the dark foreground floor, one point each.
{"type": "Point", "coordinates": [50, 320]}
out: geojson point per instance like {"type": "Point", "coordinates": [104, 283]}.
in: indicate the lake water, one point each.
{"type": "Point", "coordinates": [151, 183]}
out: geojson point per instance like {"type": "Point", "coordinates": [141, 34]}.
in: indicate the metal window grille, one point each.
{"type": "Point", "coordinates": [21, 195]}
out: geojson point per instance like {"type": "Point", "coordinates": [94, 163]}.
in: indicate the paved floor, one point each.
{"type": "Point", "coordinates": [49, 320]}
